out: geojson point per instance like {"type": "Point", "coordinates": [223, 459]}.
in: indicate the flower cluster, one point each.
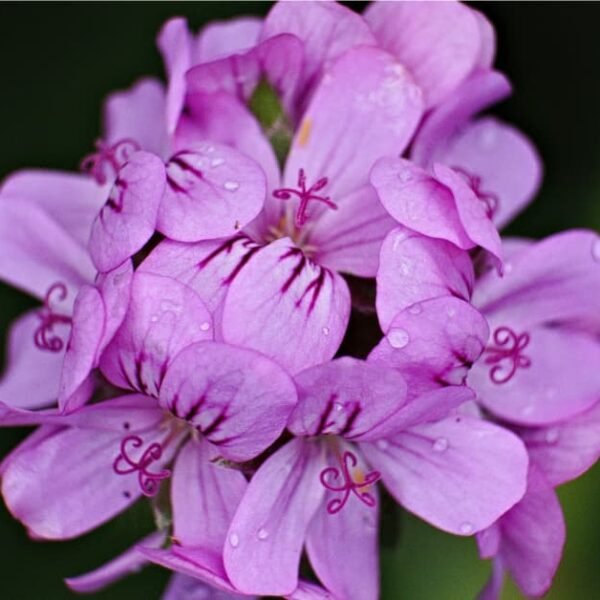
{"type": "Point", "coordinates": [278, 290]}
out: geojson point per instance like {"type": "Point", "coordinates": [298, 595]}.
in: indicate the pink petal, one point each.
{"type": "Point", "coordinates": [326, 29]}
{"type": "Point", "coordinates": [493, 587]}
{"type": "Point", "coordinates": [127, 220]}
{"type": "Point", "coordinates": [433, 343]}
{"type": "Point", "coordinates": [237, 398]}
{"type": "Point", "coordinates": [175, 44]}
{"type": "Point", "coordinates": [568, 449]}
{"type": "Point", "coordinates": [212, 191]}
{"type": "Point", "coordinates": [533, 536]}
{"type": "Point", "coordinates": [278, 60]}
{"type": "Point", "coordinates": [414, 268]}
{"type": "Point", "coordinates": [459, 474]}
{"type": "Point", "coordinates": [204, 496]}
{"type": "Point", "coordinates": [60, 494]}
{"type": "Point", "coordinates": [89, 323]}
{"type": "Point", "coordinates": [554, 385]}
{"type": "Point", "coordinates": [138, 114]}
{"type": "Point", "coordinates": [70, 199]}
{"type": "Point", "coordinates": [222, 38]}
{"type": "Point", "coordinates": [440, 42]}
{"type": "Point", "coordinates": [504, 160]}
{"type": "Point", "coordinates": [270, 523]}
{"type": "Point", "coordinates": [31, 376]}
{"type": "Point", "coordinates": [164, 316]}
{"type": "Point", "coordinates": [184, 587]}
{"type": "Point", "coordinates": [343, 548]}
{"type": "Point", "coordinates": [131, 561]}
{"type": "Point", "coordinates": [36, 252]}
{"type": "Point", "coordinates": [346, 397]}
{"type": "Point", "coordinates": [349, 239]}
{"type": "Point", "coordinates": [379, 117]}
{"type": "Point", "coordinates": [281, 295]}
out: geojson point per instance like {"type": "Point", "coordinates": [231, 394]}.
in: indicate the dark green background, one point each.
{"type": "Point", "coordinates": [58, 61]}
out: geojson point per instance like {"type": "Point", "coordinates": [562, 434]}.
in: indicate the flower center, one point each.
{"type": "Point", "coordinates": [43, 336]}
{"type": "Point", "coordinates": [305, 196]}
{"type": "Point", "coordinates": [506, 355]}
{"type": "Point", "coordinates": [489, 200]}
{"type": "Point", "coordinates": [111, 157]}
{"type": "Point", "coordinates": [349, 478]}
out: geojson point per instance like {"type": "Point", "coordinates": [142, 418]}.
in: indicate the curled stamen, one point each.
{"type": "Point", "coordinates": [43, 336]}
{"type": "Point", "coordinates": [331, 475]}
{"type": "Point", "coordinates": [305, 196]}
{"type": "Point", "coordinates": [489, 200]}
{"type": "Point", "coordinates": [115, 156]}
{"type": "Point", "coordinates": [506, 355]}
{"type": "Point", "coordinates": [124, 464]}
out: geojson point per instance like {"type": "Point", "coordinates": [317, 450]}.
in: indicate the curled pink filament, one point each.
{"type": "Point", "coordinates": [506, 355]}
{"type": "Point", "coordinates": [337, 480]}
{"type": "Point", "coordinates": [489, 200]}
{"type": "Point", "coordinates": [124, 464]}
{"type": "Point", "coordinates": [114, 156]}
{"type": "Point", "coordinates": [305, 196]}
{"type": "Point", "coordinates": [43, 337]}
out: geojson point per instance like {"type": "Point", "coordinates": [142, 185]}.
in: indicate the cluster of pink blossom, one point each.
{"type": "Point", "coordinates": [206, 283]}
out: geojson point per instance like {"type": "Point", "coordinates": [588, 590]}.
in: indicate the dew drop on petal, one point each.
{"type": "Point", "coordinates": [154, 319]}
{"type": "Point", "coordinates": [262, 534]}
{"type": "Point", "coordinates": [205, 326]}
{"type": "Point", "coordinates": [596, 250]}
{"type": "Point", "coordinates": [405, 175]}
{"type": "Point", "coordinates": [338, 406]}
{"type": "Point", "coordinates": [325, 330]}
{"type": "Point", "coordinates": [466, 528]}
{"type": "Point", "coordinates": [440, 445]}
{"type": "Point", "coordinates": [398, 337]}
{"type": "Point", "coordinates": [231, 186]}
{"type": "Point", "coordinates": [552, 435]}
{"type": "Point", "coordinates": [234, 540]}
{"type": "Point", "coordinates": [382, 444]}
{"type": "Point", "coordinates": [217, 162]}
{"type": "Point", "coordinates": [415, 309]}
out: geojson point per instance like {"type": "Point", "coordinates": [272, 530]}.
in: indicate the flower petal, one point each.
{"type": "Point", "coordinates": [566, 450]}
{"type": "Point", "coordinates": [36, 252]}
{"type": "Point", "coordinates": [346, 397]}
{"type": "Point", "coordinates": [31, 376]}
{"type": "Point", "coordinates": [414, 268]}
{"type": "Point", "coordinates": [282, 290]}
{"type": "Point", "coordinates": [138, 114]}
{"type": "Point", "coordinates": [131, 561]}
{"type": "Point", "coordinates": [239, 399]}
{"type": "Point", "coordinates": [433, 343]}
{"type": "Point", "coordinates": [164, 316]}
{"type": "Point", "coordinates": [204, 496]}
{"type": "Point", "coordinates": [349, 239]}
{"type": "Point", "coordinates": [343, 547]}
{"type": "Point", "coordinates": [127, 220]}
{"type": "Point", "coordinates": [212, 191]}
{"type": "Point", "coordinates": [459, 474]}
{"type": "Point", "coordinates": [184, 587]}
{"type": "Point", "coordinates": [270, 523]}
{"type": "Point", "coordinates": [379, 116]}
{"type": "Point", "coordinates": [72, 200]}
{"type": "Point", "coordinates": [222, 38]}
{"type": "Point", "coordinates": [440, 42]}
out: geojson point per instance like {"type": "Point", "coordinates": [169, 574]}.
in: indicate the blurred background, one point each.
{"type": "Point", "coordinates": [58, 61]}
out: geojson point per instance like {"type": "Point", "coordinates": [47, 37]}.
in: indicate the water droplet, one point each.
{"type": "Point", "coordinates": [154, 319]}
{"type": "Point", "coordinates": [451, 312]}
{"type": "Point", "coordinates": [596, 249]}
{"type": "Point", "coordinates": [234, 540]}
{"type": "Point", "coordinates": [338, 406]}
{"type": "Point", "coordinates": [466, 528]}
{"type": "Point", "coordinates": [415, 309]}
{"type": "Point", "coordinates": [205, 326]}
{"type": "Point", "coordinates": [209, 149]}
{"type": "Point", "coordinates": [217, 162]}
{"type": "Point", "coordinates": [507, 268]}
{"type": "Point", "coordinates": [262, 534]}
{"type": "Point", "coordinates": [325, 330]}
{"type": "Point", "coordinates": [382, 444]}
{"type": "Point", "coordinates": [231, 186]}
{"type": "Point", "coordinates": [552, 435]}
{"type": "Point", "coordinates": [440, 445]}
{"type": "Point", "coordinates": [398, 338]}
{"type": "Point", "coordinates": [405, 175]}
